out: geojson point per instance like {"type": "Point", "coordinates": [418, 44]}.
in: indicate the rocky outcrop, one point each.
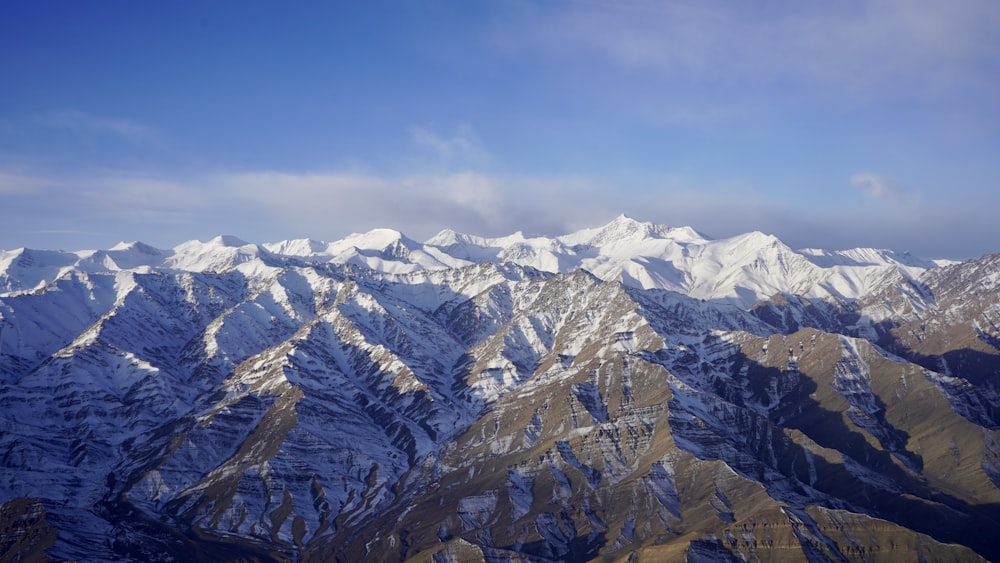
{"type": "Point", "coordinates": [275, 408]}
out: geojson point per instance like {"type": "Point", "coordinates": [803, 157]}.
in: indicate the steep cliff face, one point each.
{"type": "Point", "coordinates": [304, 401]}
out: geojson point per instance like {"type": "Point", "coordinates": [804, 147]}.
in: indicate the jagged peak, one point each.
{"type": "Point", "coordinates": [625, 224]}
{"type": "Point", "coordinates": [623, 219]}
{"type": "Point", "coordinates": [620, 228]}
{"type": "Point", "coordinates": [504, 375]}
{"type": "Point", "coordinates": [651, 255]}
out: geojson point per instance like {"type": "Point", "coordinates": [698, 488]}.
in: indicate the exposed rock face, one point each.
{"type": "Point", "coordinates": [266, 405]}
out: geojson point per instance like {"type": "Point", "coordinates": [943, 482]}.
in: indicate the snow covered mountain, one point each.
{"type": "Point", "coordinates": [629, 392]}
{"type": "Point", "coordinates": [742, 269]}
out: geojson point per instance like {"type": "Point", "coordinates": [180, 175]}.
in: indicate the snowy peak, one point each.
{"type": "Point", "coordinates": [741, 270]}
{"type": "Point", "coordinates": [390, 251]}
{"type": "Point", "coordinates": [621, 229]}
{"type": "Point", "coordinates": [228, 241]}
{"type": "Point", "coordinates": [375, 239]}
{"type": "Point", "coordinates": [217, 243]}
{"type": "Point", "coordinates": [134, 255]}
{"type": "Point", "coordinates": [303, 247]}
{"type": "Point", "coordinates": [413, 406]}
{"type": "Point", "coordinates": [137, 247]}
{"type": "Point", "coordinates": [222, 253]}
{"type": "Point", "coordinates": [447, 237]}
{"type": "Point", "coordinates": [25, 269]}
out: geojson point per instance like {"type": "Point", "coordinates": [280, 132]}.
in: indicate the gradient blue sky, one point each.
{"type": "Point", "coordinates": [829, 124]}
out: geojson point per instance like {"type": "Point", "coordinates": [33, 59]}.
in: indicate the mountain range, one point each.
{"type": "Point", "coordinates": [631, 392]}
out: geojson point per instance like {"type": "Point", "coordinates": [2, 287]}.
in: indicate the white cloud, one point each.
{"type": "Point", "coordinates": [875, 186]}
{"type": "Point", "coordinates": [86, 124]}
{"type": "Point", "coordinates": [263, 206]}
{"type": "Point", "coordinates": [333, 204]}
{"type": "Point", "coordinates": [879, 187]}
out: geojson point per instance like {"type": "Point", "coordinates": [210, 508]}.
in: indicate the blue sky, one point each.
{"type": "Point", "coordinates": [834, 124]}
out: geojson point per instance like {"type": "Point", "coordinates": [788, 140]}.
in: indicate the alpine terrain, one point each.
{"type": "Point", "coordinates": [625, 393]}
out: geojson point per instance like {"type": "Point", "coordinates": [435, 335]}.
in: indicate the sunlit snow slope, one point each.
{"type": "Point", "coordinates": [631, 392]}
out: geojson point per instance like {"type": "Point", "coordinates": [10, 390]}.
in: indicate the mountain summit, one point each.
{"type": "Point", "coordinates": [630, 392]}
{"type": "Point", "coordinates": [741, 270]}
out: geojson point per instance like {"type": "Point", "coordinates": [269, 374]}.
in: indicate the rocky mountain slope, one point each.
{"type": "Point", "coordinates": [626, 393]}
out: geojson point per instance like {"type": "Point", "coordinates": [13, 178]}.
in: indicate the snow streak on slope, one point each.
{"type": "Point", "coordinates": [608, 393]}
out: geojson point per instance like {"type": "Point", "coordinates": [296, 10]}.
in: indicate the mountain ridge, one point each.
{"type": "Point", "coordinates": [639, 253]}
{"type": "Point", "coordinates": [262, 405]}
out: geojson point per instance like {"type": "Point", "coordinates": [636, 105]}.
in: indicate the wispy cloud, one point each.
{"type": "Point", "coordinates": [264, 206]}
{"type": "Point", "coordinates": [87, 124]}
{"type": "Point", "coordinates": [12, 184]}
{"type": "Point", "coordinates": [462, 146]}
{"type": "Point", "coordinates": [420, 205]}
{"type": "Point", "coordinates": [19, 183]}
{"type": "Point", "coordinates": [869, 48]}
{"type": "Point", "coordinates": [879, 187]}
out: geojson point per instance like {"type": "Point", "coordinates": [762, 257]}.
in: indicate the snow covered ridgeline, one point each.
{"type": "Point", "coordinates": [742, 269]}
{"type": "Point", "coordinates": [288, 406]}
